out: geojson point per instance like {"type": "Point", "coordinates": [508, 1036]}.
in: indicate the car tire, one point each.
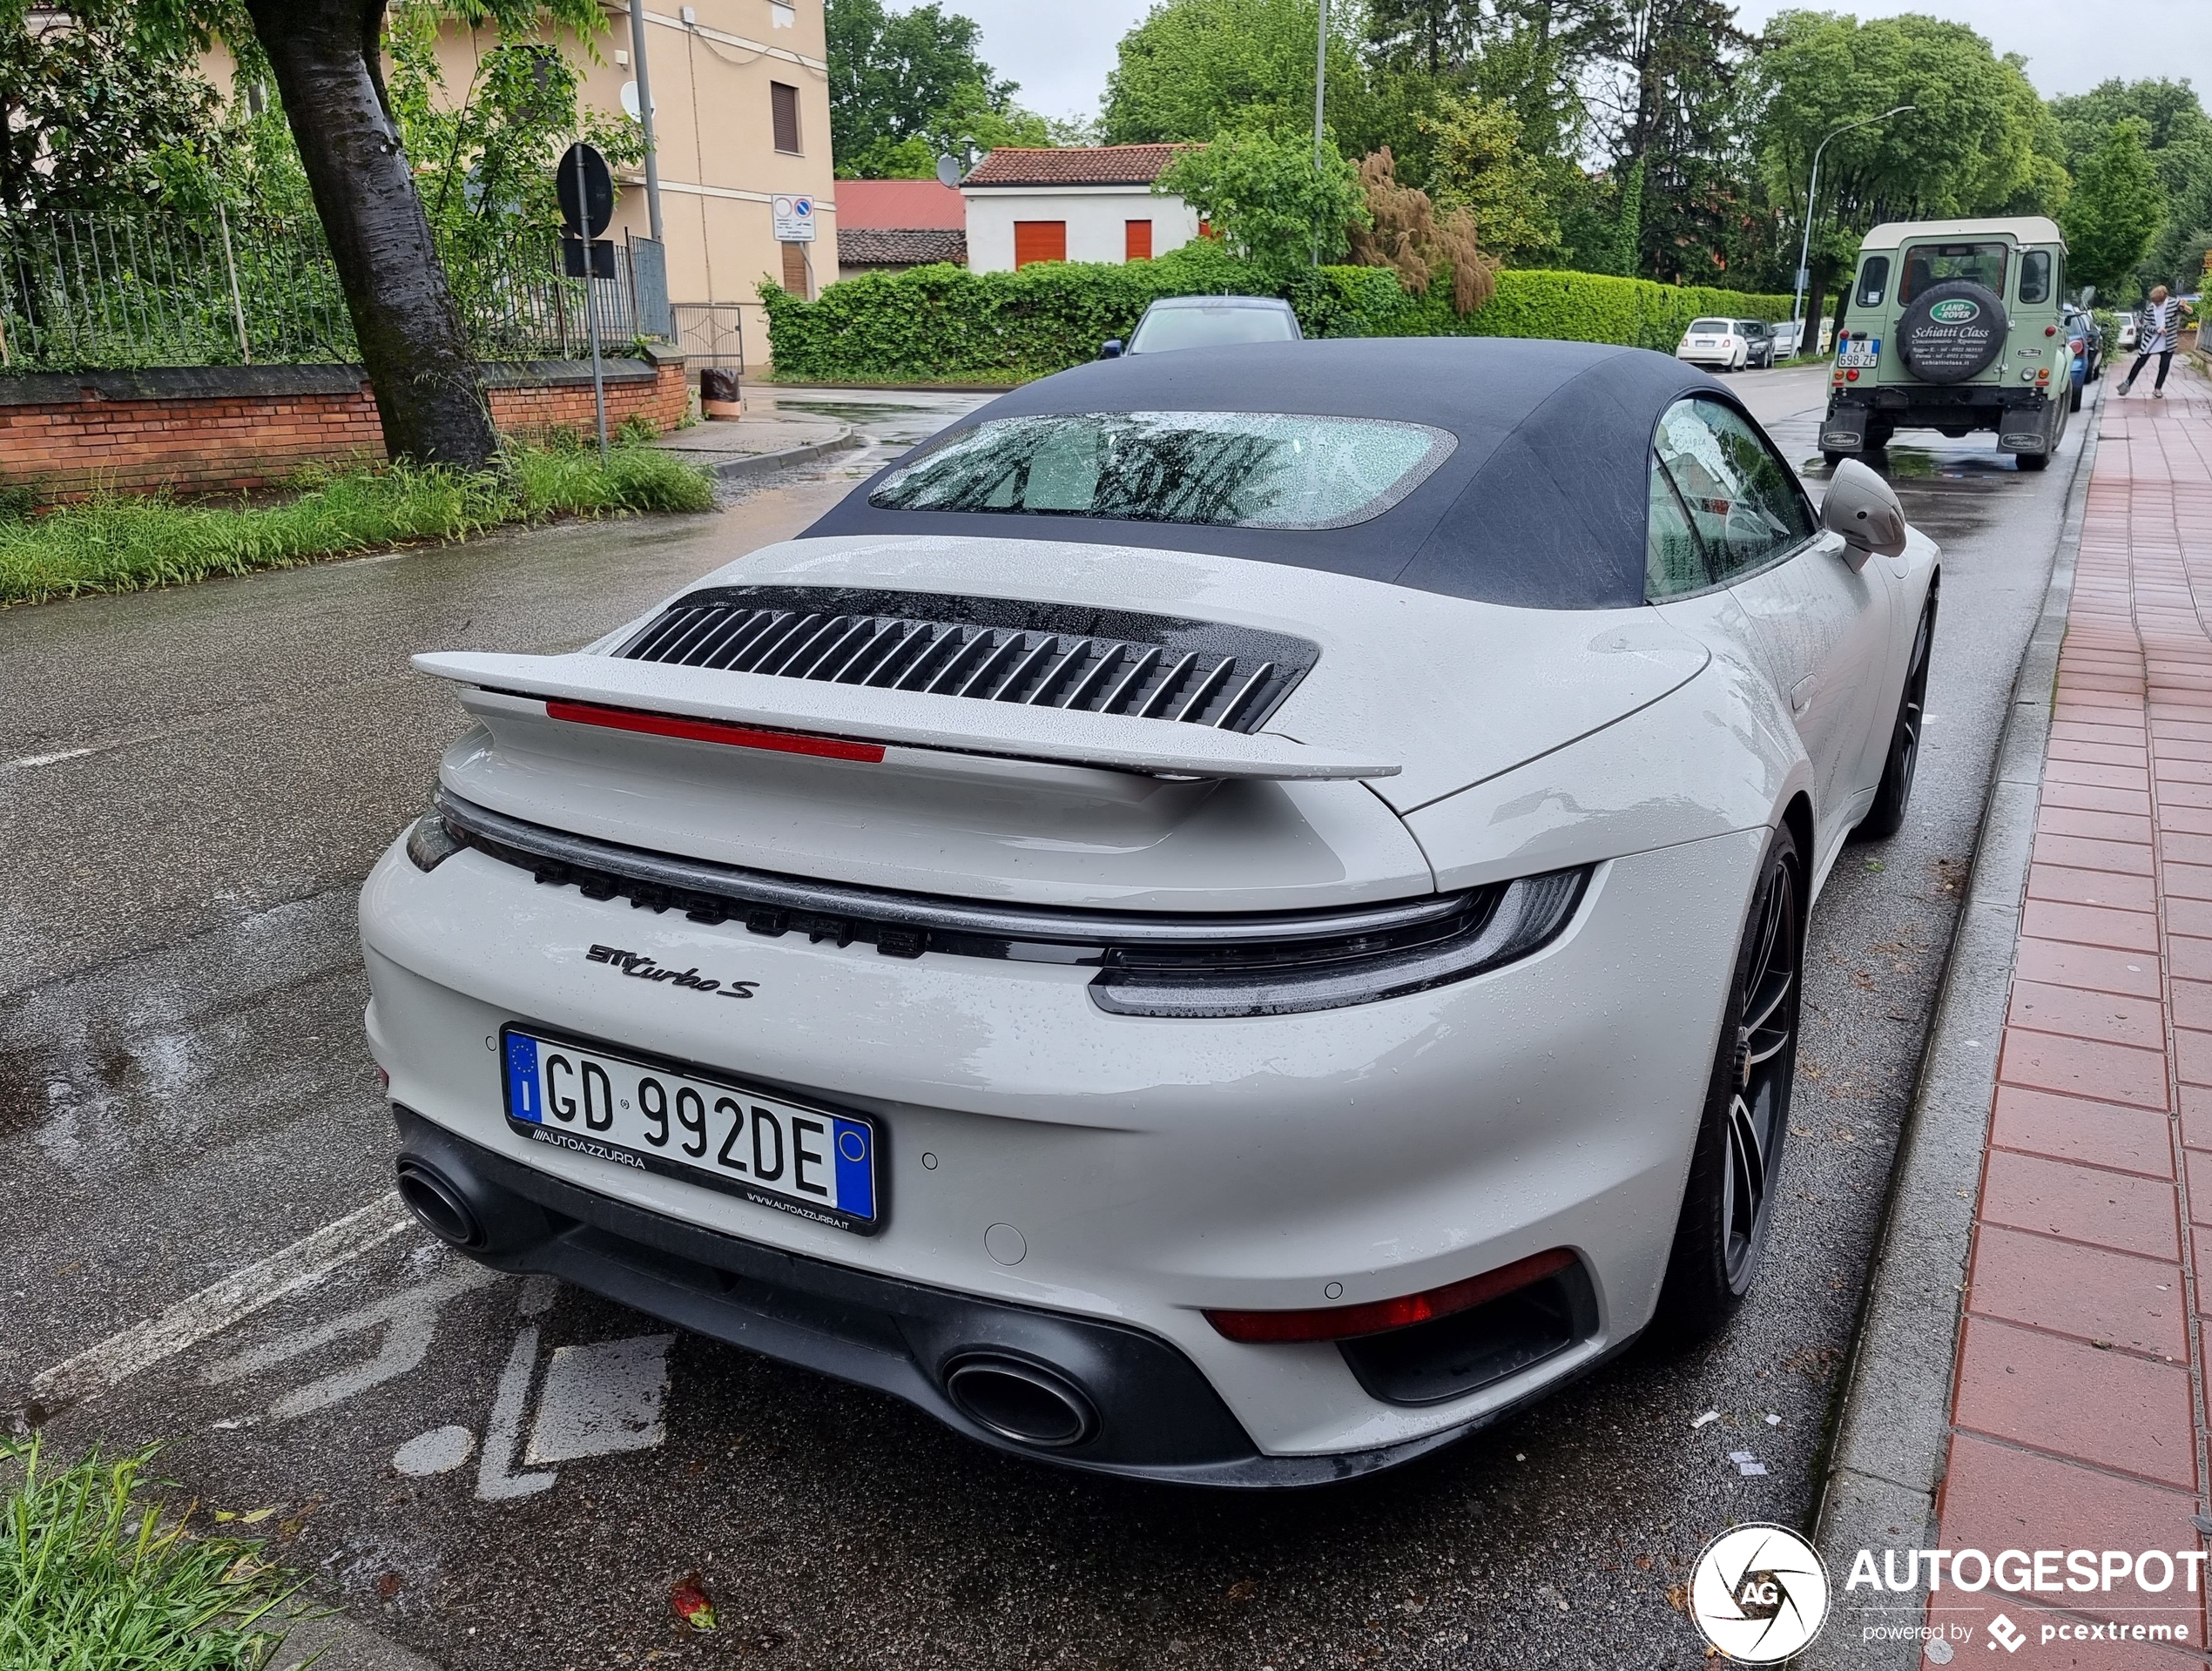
{"type": "Point", "coordinates": [2032, 462]}
{"type": "Point", "coordinates": [1736, 1165]}
{"type": "Point", "coordinates": [2073, 400]}
{"type": "Point", "coordinates": [1894, 793]}
{"type": "Point", "coordinates": [1832, 460]}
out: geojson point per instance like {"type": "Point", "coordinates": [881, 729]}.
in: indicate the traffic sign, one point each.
{"type": "Point", "coordinates": [794, 220]}
{"type": "Point", "coordinates": [587, 190]}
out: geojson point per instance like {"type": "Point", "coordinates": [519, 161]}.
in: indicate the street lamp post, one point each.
{"type": "Point", "coordinates": [1804, 246]}
{"type": "Point", "coordinates": [645, 117]}
{"type": "Point", "coordinates": [1320, 90]}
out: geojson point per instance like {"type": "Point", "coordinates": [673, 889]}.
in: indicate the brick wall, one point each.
{"type": "Point", "coordinates": [225, 428]}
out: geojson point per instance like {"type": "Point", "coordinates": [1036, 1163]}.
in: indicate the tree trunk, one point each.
{"type": "Point", "coordinates": [1815, 291]}
{"type": "Point", "coordinates": [327, 58]}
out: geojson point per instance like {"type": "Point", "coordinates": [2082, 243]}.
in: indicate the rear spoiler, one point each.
{"type": "Point", "coordinates": [611, 685]}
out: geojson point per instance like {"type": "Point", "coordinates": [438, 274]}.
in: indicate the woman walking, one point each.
{"type": "Point", "coordinates": [2156, 334]}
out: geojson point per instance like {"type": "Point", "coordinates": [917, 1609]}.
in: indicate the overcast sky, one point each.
{"type": "Point", "coordinates": [1061, 49]}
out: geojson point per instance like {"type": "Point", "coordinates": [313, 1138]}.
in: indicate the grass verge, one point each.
{"type": "Point", "coordinates": [115, 543]}
{"type": "Point", "coordinates": [96, 1575]}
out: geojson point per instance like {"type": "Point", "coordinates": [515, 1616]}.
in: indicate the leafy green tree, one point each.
{"type": "Point", "coordinates": [1197, 68]}
{"type": "Point", "coordinates": [2179, 141]}
{"type": "Point", "coordinates": [1429, 36]}
{"type": "Point", "coordinates": [1671, 100]}
{"type": "Point", "coordinates": [326, 57]}
{"type": "Point", "coordinates": [908, 87]}
{"type": "Point", "coordinates": [1624, 253]}
{"type": "Point", "coordinates": [1267, 201]}
{"type": "Point", "coordinates": [1973, 144]}
{"type": "Point", "coordinates": [1478, 164]}
{"type": "Point", "coordinates": [2116, 209]}
{"type": "Point", "coordinates": [89, 118]}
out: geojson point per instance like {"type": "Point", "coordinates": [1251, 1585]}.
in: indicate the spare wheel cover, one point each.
{"type": "Point", "coordinates": [1951, 331]}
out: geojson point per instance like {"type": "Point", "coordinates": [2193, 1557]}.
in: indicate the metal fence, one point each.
{"type": "Point", "coordinates": [709, 333]}
{"type": "Point", "coordinates": [81, 294]}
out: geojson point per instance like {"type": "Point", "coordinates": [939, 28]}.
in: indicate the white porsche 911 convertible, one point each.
{"type": "Point", "coordinates": [1228, 919]}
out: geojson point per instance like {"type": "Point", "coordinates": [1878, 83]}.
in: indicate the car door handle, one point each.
{"type": "Point", "coordinates": [1801, 694]}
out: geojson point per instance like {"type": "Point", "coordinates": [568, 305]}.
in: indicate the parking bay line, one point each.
{"type": "Point", "coordinates": [218, 1306]}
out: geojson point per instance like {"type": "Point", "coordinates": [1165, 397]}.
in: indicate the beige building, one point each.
{"type": "Point", "coordinates": [741, 117]}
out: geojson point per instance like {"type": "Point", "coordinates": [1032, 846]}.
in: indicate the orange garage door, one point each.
{"type": "Point", "coordinates": [1040, 240]}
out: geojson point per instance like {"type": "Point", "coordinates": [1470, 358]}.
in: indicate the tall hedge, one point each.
{"type": "Point", "coordinates": [944, 322]}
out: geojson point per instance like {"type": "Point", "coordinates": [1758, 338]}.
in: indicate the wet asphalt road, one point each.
{"type": "Point", "coordinates": [192, 784]}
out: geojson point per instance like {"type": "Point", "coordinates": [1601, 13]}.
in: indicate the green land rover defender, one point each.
{"type": "Point", "coordinates": [1953, 325]}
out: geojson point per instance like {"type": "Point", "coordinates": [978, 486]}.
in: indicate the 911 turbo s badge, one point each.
{"type": "Point", "coordinates": [639, 966]}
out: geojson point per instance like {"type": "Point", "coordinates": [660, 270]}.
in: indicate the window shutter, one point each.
{"type": "Point", "coordinates": [1136, 240]}
{"type": "Point", "coordinates": [783, 105]}
{"type": "Point", "coordinates": [794, 268]}
{"type": "Point", "coordinates": [1040, 240]}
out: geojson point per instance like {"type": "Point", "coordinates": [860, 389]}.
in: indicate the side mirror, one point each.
{"type": "Point", "coordinates": [1861, 508]}
{"type": "Point", "coordinates": [1110, 348]}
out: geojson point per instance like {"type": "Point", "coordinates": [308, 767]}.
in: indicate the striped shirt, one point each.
{"type": "Point", "coordinates": [2161, 323]}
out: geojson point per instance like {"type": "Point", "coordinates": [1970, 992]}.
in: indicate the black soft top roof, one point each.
{"type": "Point", "coordinates": [1541, 504]}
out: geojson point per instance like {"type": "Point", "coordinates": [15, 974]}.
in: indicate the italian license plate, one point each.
{"type": "Point", "coordinates": [1862, 355]}
{"type": "Point", "coordinates": [675, 1121]}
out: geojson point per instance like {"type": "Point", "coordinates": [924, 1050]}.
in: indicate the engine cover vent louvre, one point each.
{"type": "Point", "coordinates": [988, 650]}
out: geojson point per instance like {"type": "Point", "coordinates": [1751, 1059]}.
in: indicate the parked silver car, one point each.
{"type": "Point", "coordinates": [1206, 322]}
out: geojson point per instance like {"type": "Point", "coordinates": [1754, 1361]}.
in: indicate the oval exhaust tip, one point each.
{"type": "Point", "coordinates": [435, 1200]}
{"type": "Point", "coordinates": [1021, 1401]}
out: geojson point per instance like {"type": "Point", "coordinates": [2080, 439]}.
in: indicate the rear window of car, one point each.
{"type": "Point", "coordinates": [1234, 469]}
{"type": "Point", "coordinates": [1209, 327]}
{"type": "Point", "coordinates": [1927, 265]}
{"type": "Point", "coordinates": [1873, 280]}
{"type": "Point", "coordinates": [1710, 326]}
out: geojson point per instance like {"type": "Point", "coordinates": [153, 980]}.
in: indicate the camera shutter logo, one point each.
{"type": "Point", "coordinates": [1759, 1593]}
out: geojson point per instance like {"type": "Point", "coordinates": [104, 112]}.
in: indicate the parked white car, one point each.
{"type": "Point", "coordinates": [1727, 344]}
{"type": "Point", "coordinates": [1232, 917]}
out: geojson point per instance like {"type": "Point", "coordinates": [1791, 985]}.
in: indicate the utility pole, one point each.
{"type": "Point", "coordinates": [646, 114]}
{"type": "Point", "coordinates": [1804, 245]}
{"type": "Point", "coordinates": [1321, 96]}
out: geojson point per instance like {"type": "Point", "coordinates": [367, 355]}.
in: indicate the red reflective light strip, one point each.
{"type": "Point", "coordinates": [711, 731]}
{"type": "Point", "coordinates": [1348, 1322]}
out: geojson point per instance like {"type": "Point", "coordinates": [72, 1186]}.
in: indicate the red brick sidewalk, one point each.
{"type": "Point", "coordinates": [2079, 1409]}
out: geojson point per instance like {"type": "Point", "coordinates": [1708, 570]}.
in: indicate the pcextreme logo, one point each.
{"type": "Point", "coordinates": [1759, 1593]}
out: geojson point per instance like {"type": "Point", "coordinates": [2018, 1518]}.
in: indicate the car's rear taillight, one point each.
{"type": "Point", "coordinates": [1376, 1316]}
{"type": "Point", "coordinates": [711, 731]}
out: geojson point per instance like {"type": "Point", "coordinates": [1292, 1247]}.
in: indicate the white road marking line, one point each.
{"type": "Point", "coordinates": [408, 1318]}
{"type": "Point", "coordinates": [440, 1450]}
{"type": "Point", "coordinates": [497, 1482]}
{"type": "Point", "coordinates": [601, 1399]}
{"type": "Point", "coordinates": [24, 762]}
{"type": "Point", "coordinates": [220, 1305]}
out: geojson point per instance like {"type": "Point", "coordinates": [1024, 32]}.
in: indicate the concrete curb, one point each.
{"type": "Point", "coordinates": [733, 469]}
{"type": "Point", "coordinates": [330, 1641]}
{"type": "Point", "coordinates": [1893, 1427]}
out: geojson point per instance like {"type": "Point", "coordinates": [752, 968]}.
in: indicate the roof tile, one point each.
{"type": "Point", "coordinates": [860, 247]}
{"type": "Point", "coordinates": [1074, 166]}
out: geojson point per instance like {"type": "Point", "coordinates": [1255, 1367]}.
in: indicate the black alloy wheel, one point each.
{"type": "Point", "coordinates": [1736, 1167]}
{"type": "Point", "coordinates": [1766, 1054]}
{"type": "Point", "coordinates": [1886, 816]}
